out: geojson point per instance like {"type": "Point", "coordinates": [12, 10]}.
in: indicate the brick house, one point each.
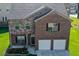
{"type": "Point", "coordinates": [44, 29]}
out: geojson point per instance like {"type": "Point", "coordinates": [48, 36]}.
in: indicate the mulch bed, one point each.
{"type": "Point", "coordinates": [18, 52]}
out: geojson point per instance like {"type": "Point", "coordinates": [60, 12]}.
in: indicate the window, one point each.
{"type": "Point", "coordinates": [20, 40]}
{"type": "Point", "coordinates": [16, 25]}
{"type": "Point", "coordinates": [52, 27]}
{"type": "Point", "coordinates": [20, 37]}
{"type": "Point", "coordinates": [28, 26]}
{"type": "Point", "coordinates": [4, 19]}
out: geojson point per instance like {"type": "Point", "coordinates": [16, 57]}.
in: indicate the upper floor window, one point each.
{"type": "Point", "coordinates": [52, 27]}
{"type": "Point", "coordinates": [16, 25]}
{"type": "Point", "coordinates": [28, 26]}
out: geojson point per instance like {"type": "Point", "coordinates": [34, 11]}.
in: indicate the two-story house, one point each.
{"type": "Point", "coordinates": [42, 26]}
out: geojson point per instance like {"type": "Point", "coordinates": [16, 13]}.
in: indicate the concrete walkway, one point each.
{"type": "Point", "coordinates": [52, 53]}
{"type": "Point", "coordinates": [31, 50]}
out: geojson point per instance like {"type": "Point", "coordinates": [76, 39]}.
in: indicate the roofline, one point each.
{"type": "Point", "coordinates": [43, 16]}
{"type": "Point", "coordinates": [66, 17]}
{"type": "Point", "coordinates": [54, 12]}
{"type": "Point", "coordinates": [34, 12]}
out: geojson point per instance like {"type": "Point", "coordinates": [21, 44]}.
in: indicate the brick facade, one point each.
{"type": "Point", "coordinates": [41, 33]}
{"type": "Point", "coordinates": [39, 28]}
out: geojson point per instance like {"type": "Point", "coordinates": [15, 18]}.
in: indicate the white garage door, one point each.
{"type": "Point", "coordinates": [59, 44]}
{"type": "Point", "coordinates": [44, 44]}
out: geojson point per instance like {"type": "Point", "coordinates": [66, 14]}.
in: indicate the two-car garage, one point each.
{"type": "Point", "coordinates": [56, 44]}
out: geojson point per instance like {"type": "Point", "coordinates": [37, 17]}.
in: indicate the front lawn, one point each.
{"type": "Point", "coordinates": [4, 42]}
{"type": "Point", "coordinates": [74, 38]}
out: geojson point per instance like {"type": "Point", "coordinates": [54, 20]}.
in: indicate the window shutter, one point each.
{"type": "Point", "coordinates": [16, 39]}
{"type": "Point", "coordinates": [47, 27]}
{"type": "Point", "coordinates": [58, 27]}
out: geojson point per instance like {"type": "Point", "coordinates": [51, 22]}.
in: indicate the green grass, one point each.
{"type": "Point", "coordinates": [74, 38]}
{"type": "Point", "coordinates": [4, 40]}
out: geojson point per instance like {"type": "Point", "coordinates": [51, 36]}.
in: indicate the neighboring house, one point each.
{"type": "Point", "coordinates": [4, 11]}
{"type": "Point", "coordinates": [71, 8]}
{"type": "Point", "coordinates": [47, 27]}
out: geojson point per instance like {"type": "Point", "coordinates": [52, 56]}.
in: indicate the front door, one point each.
{"type": "Point", "coordinates": [21, 40]}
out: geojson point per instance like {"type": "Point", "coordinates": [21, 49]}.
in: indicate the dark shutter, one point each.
{"type": "Point", "coordinates": [33, 40]}
{"type": "Point", "coordinates": [58, 26]}
{"type": "Point", "coordinates": [47, 27]}
{"type": "Point", "coordinates": [16, 39]}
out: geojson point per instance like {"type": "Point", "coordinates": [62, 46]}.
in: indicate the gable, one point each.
{"type": "Point", "coordinates": [52, 13]}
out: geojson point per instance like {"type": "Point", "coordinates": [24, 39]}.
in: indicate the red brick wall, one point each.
{"type": "Point", "coordinates": [40, 28]}
{"type": "Point", "coordinates": [14, 32]}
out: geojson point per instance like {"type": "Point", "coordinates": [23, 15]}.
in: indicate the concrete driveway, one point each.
{"type": "Point", "coordinates": [52, 53]}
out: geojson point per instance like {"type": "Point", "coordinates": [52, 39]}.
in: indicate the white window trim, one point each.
{"type": "Point", "coordinates": [52, 25]}
{"type": "Point", "coordinates": [21, 37]}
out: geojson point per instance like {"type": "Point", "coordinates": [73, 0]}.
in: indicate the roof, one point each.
{"type": "Point", "coordinates": [54, 12]}
{"type": "Point", "coordinates": [39, 12]}
{"type": "Point", "coordinates": [69, 5]}
{"type": "Point", "coordinates": [22, 10]}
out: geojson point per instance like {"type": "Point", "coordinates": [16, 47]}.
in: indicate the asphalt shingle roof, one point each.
{"type": "Point", "coordinates": [22, 10]}
{"type": "Point", "coordinates": [40, 12]}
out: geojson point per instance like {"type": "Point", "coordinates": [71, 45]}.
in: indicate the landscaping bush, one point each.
{"type": "Point", "coordinates": [17, 51]}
